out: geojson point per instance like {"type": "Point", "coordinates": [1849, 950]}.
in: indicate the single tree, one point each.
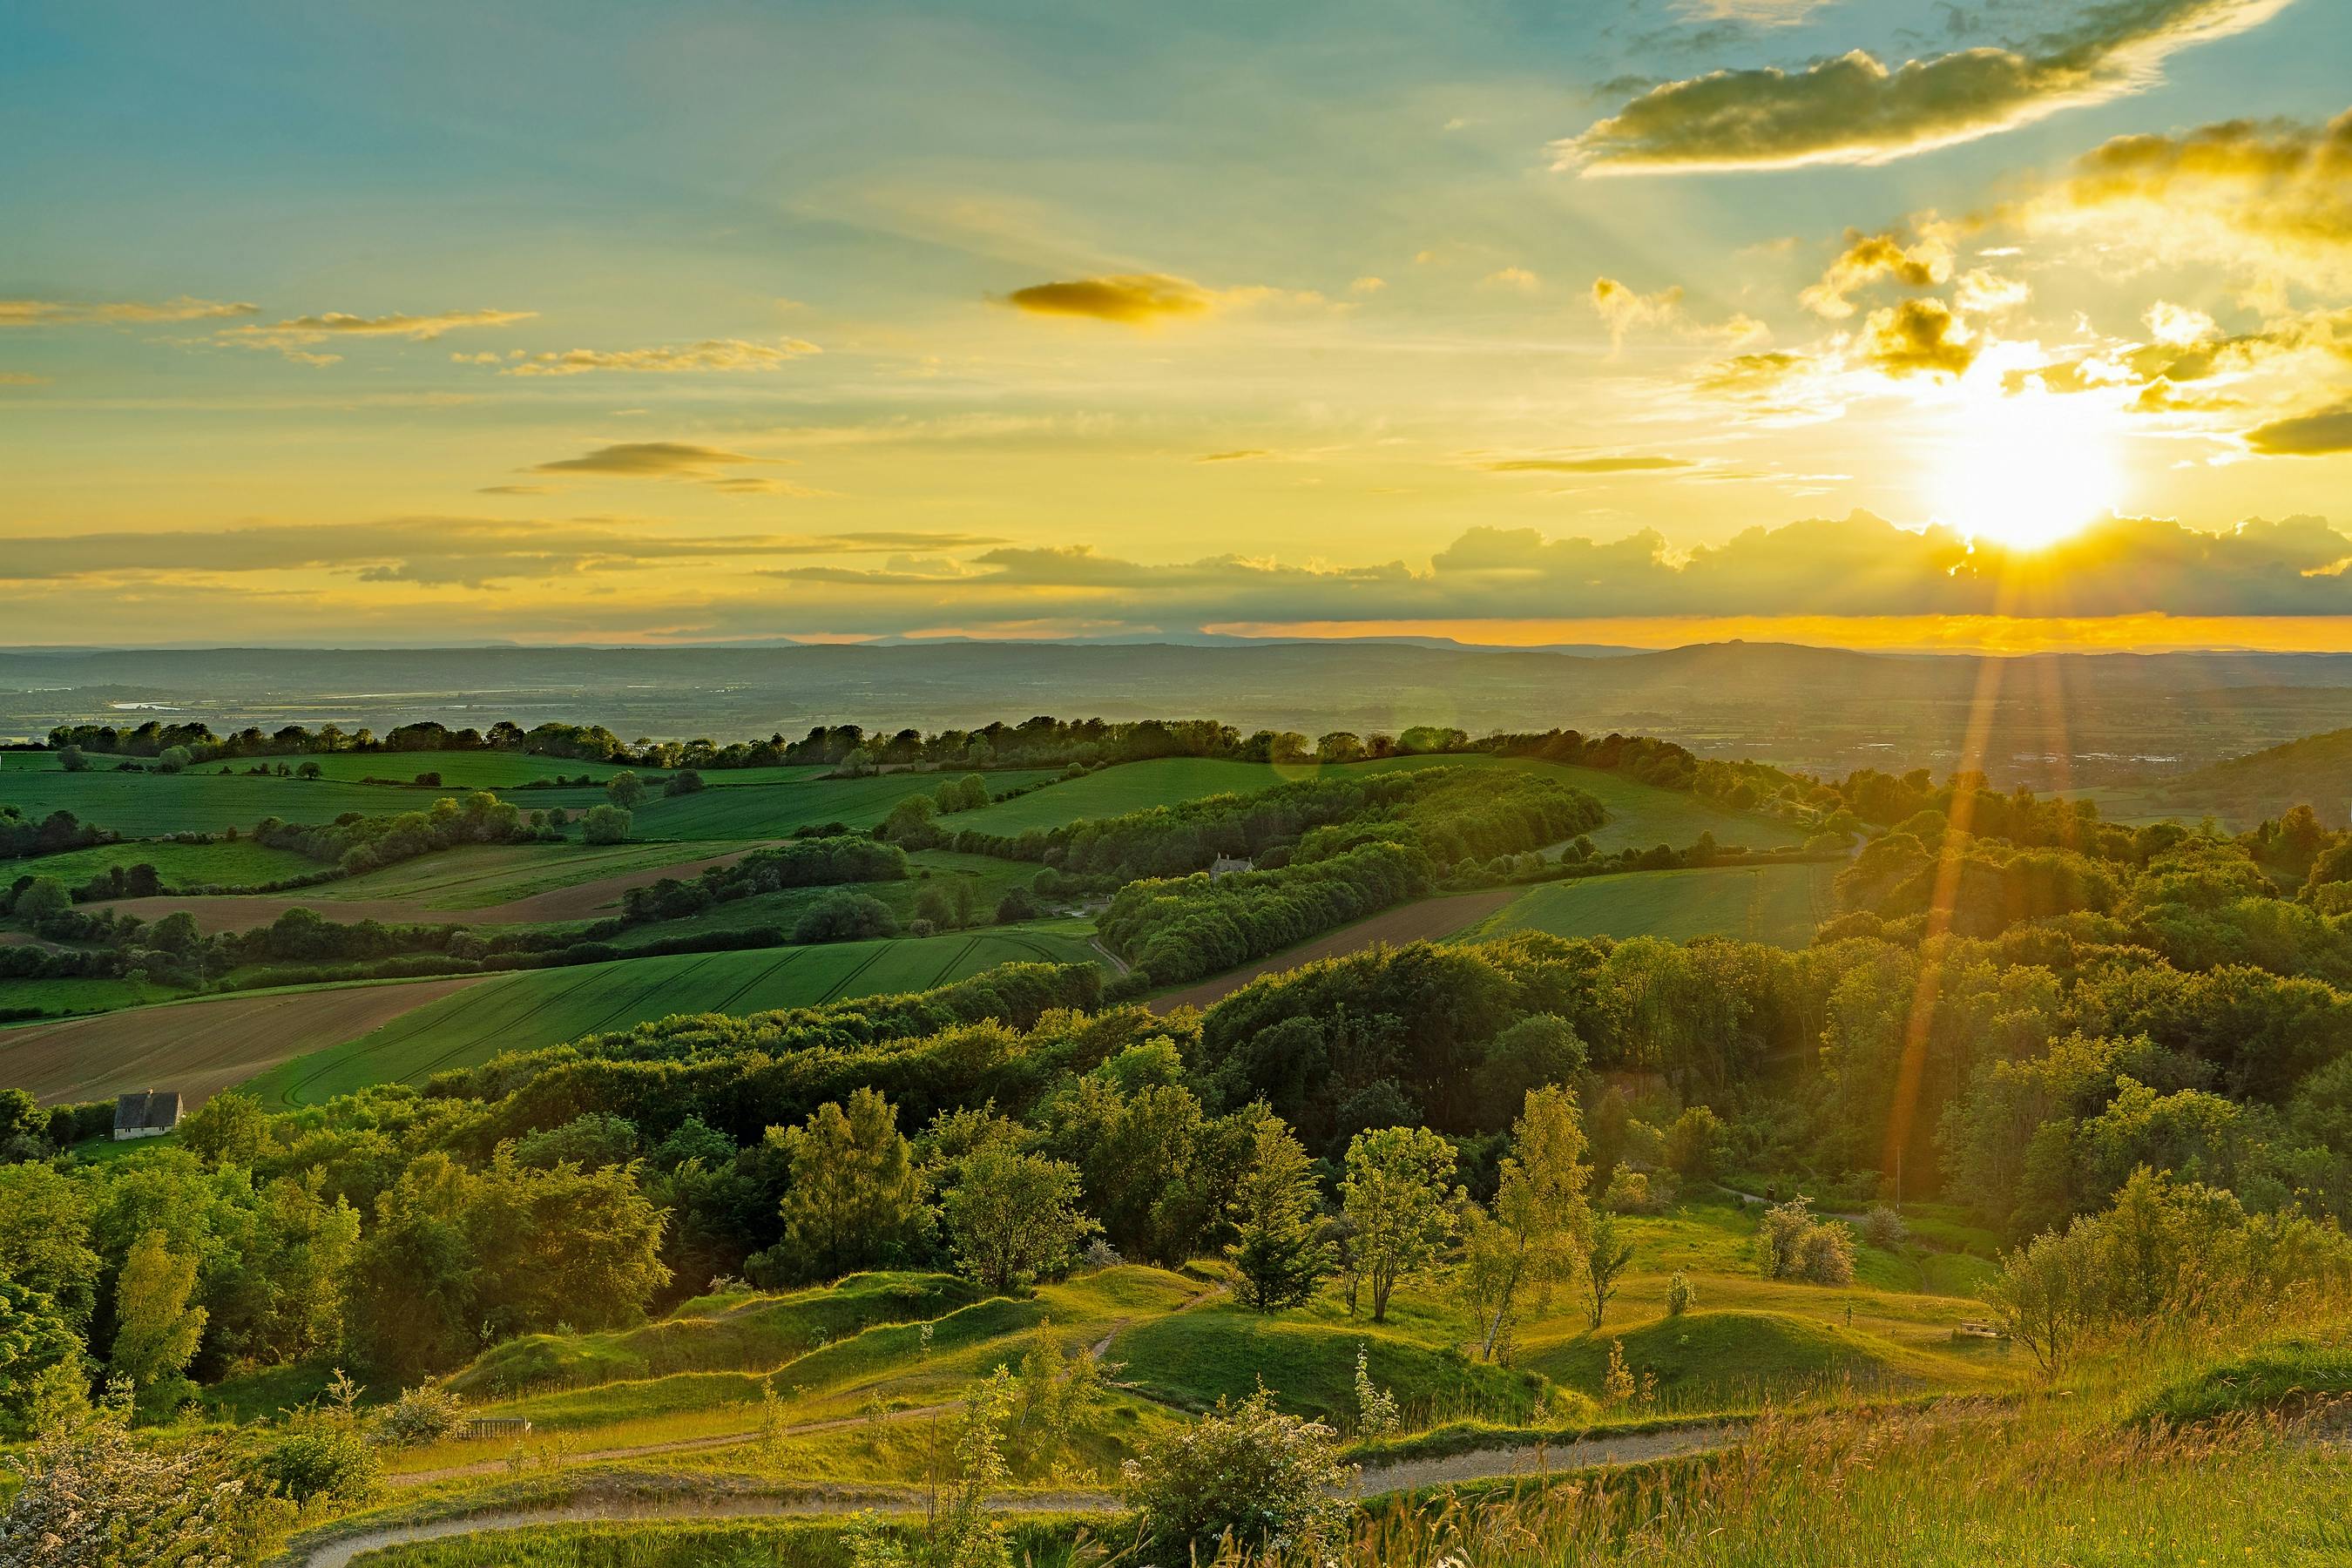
{"type": "Point", "coordinates": [43, 898]}
{"type": "Point", "coordinates": [72, 759]}
{"type": "Point", "coordinates": [1399, 1199]}
{"type": "Point", "coordinates": [625, 790]}
{"type": "Point", "coordinates": [605, 824]}
{"type": "Point", "coordinates": [157, 1329]}
{"type": "Point", "coordinates": [1278, 1249]}
{"type": "Point", "coordinates": [1013, 1217]}
{"type": "Point", "coordinates": [1605, 1257]}
{"type": "Point", "coordinates": [856, 1198]}
{"type": "Point", "coordinates": [1536, 1234]}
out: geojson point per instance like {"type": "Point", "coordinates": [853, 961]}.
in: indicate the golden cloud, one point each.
{"type": "Point", "coordinates": [1869, 257]}
{"type": "Point", "coordinates": [1619, 465]}
{"type": "Point", "coordinates": [1918, 337]}
{"type": "Point", "coordinates": [1854, 109]}
{"type": "Point", "coordinates": [650, 460]}
{"type": "Point", "coordinates": [2305, 435]}
{"type": "Point", "coordinates": [1137, 298]}
{"type": "Point", "coordinates": [711, 355]}
{"type": "Point", "coordinates": [119, 312]}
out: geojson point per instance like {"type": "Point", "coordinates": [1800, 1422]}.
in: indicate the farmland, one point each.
{"type": "Point", "coordinates": [946, 871]}
{"type": "Point", "coordinates": [220, 864]}
{"type": "Point", "coordinates": [1640, 814]}
{"type": "Point", "coordinates": [1776, 904]}
{"type": "Point", "coordinates": [147, 804]}
{"type": "Point", "coordinates": [202, 1047]}
{"type": "Point", "coordinates": [541, 1008]}
{"type": "Point", "coordinates": [800, 800]}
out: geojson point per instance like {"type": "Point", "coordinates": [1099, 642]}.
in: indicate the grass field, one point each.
{"type": "Point", "coordinates": [143, 805]}
{"type": "Point", "coordinates": [547, 1006]}
{"type": "Point", "coordinates": [220, 865]}
{"type": "Point", "coordinates": [1776, 904]}
{"type": "Point", "coordinates": [501, 771]}
{"type": "Point", "coordinates": [745, 810]}
{"type": "Point", "coordinates": [988, 878]}
{"type": "Point", "coordinates": [1639, 814]}
{"type": "Point", "coordinates": [477, 876]}
{"type": "Point", "coordinates": [59, 997]}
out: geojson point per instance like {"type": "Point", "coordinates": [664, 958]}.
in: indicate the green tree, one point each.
{"type": "Point", "coordinates": [1013, 1217]}
{"type": "Point", "coordinates": [2043, 1294]}
{"type": "Point", "coordinates": [1280, 1256]}
{"type": "Point", "coordinates": [625, 790]}
{"type": "Point", "coordinates": [229, 1129]}
{"type": "Point", "coordinates": [45, 1238]}
{"type": "Point", "coordinates": [856, 1198]}
{"type": "Point", "coordinates": [43, 898]}
{"type": "Point", "coordinates": [72, 759]}
{"type": "Point", "coordinates": [34, 1340]}
{"type": "Point", "coordinates": [1605, 1257]}
{"type": "Point", "coordinates": [173, 759]}
{"type": "Point", "coordinates": [1536, 1234]}
{"type": "Point", "coordinates": [1399, 1199]}
{"type": "Point", "coordinates": [156, 1328]}
{"type": "Point", "coordinates": [605, 824]}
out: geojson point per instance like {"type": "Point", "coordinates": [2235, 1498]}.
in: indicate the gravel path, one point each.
{"type": "Point", "coordinates": [1409, 1475]}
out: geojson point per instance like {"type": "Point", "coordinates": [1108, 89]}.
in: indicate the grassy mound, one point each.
{"type": "Point", "coordinates": [2286, 1374]}
{"type": "Point", "coordinates": [1193, 1358]}
{"type": "Point", "coordinates": [712, 1334]}
{"type": "Point", "coordinates": [1734, 1359]}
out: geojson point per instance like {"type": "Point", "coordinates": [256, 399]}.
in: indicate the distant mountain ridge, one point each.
{"type": "Point", "coordinates": [2050, 718]}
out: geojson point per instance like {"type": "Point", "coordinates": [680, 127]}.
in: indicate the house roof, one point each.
{"type": "Point", "coordinates": [147, 1109]}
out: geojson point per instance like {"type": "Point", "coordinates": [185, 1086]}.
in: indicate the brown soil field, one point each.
{"type": "Point", "coordinates": [1425, 920]}
{"type": "Point", "coordinates": [199, 1048]}
{"type": "Point", "coordinates": [581, 901]}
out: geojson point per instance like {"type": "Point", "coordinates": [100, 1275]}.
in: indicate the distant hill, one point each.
{"type": "Point", "coordinates": [2071, 720]}
{"type": "Point", "coordinates": [2316, 770]}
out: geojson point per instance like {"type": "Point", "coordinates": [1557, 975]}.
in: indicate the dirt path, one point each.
{"type": "Point", "coordinates": [581, 901]}
{"type": "Point", "coordinates": [1411, 1474]}
{"type": "Point", "coordinates": [1424, 920]}
{"type": "Point", "coordinates": [203, 1045]}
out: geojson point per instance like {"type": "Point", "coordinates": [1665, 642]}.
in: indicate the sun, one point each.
{"type": "Point", "coordinates": [2028, 469]}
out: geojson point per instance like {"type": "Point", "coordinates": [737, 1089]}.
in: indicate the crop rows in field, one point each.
{"type": "Point", "coordinates": [547, 1006]}
{"type": "Point", "coordinates": [1779, 904]}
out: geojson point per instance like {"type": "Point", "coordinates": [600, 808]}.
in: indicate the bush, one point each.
{"type": "Point", "coordinates": [1680, 1294]}
{"type": "Point", "coordinates": [1882, 1227]}
{"type": "Point", "coordinates": [845, 917]}
{"type": "Point", "coordinates": [1791, 1243]}
{"type": "Point", "coordinates": [605, 824]}
{"type": "Point", "coordinates": [325, 1457]}
{"type": "Point", "coordinates": [1266, 1480]}
{"type": "Point", "coordinates": [420, 1416]}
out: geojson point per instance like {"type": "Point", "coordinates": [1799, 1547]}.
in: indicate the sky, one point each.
{"type": "Point", "coordinates": [2001, 324]}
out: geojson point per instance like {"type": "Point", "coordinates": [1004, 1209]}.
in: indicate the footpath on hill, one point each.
{"type": "Point", "coordinates": [1532, 1461]}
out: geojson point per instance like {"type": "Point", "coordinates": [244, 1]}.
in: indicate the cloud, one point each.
{"type": "Point", "coordinates": [1869, 257]}
{"type": "Point", "coordinates": [1517, 278]}
{"type": "Point", "coordinates": [121, 312]}
{"type": "Point", "coordinates": [1138, 299]}
{"type": "Point", "coordinates": [649, 460]}
{"type": "Point", "coordinates": [1624, 308]}
{"type": "Point", "coordinates": [443, 550]}
{"type": "Point", "coordinates": [22, 378]}
{"type": "Point", "coordinates": [1241, 454]}
{"type": "Point", "coordinates": [710, 355]}
{"type": "Point", "coordinates": [1762, 12]}
{"type": "Point", "coordinates": [298, 336]}
{"type": "Point", "coordinates": [1855, 565]}
{"type": "Point", "coordinates": [1626, 465]}
{"type": "Point", "coordinates": [1368, 285]}
{"type": "Point", "coordinates": [515, 490]}
{"type": "Point", "coordinates": [1854, 109]}
{"type": "Point", "coordinates": [1918, 337]}
{"type": "Point", "coordinates": [2305, 435]}
{"type": "Point", "coordinates": [2271, 198]}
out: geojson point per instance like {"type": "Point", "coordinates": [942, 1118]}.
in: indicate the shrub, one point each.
{"type": "Point", "coordinates": [323, 1457]}
{"type": "Point", "coordinates": [420, 1416]}
{"type": "Point", "coordinates": [1791, 1243]}
{"type": "Point", "coordinates": [1247, 1472]}
{"type": "Point", "coordinates": [1827, 1254]}
{"type": "Point", "coordinates": [605, 824]}
{"type": "Point", "coordinates": [1882, 1227]}
{"type": "Point", "coordinates": [1680, 1294]}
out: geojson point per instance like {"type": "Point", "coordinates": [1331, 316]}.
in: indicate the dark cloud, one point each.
{"type": "Point", "coordinates": [1856, 109]}
{"type": "Point", "coordinates": [1628, 465]}
{"type": "Point", "coordinates": [2305, 435]}
{"type": "Point", "coordinates": [1131, 299]}
{"type": "Point", "coordinates": [1918, 337]}
{"type": "Point", "coordinates": [648, 460]}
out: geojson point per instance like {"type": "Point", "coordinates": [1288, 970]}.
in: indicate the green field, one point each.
{"type": "Point", "coordinates": [477, 875]}
{"type": "Point", "coordinates": [801, 800]}
{"type": "Point", "coordinates": [458, 770]}
{"type": "Point", "coordinates": [56, 998]}
{"type": "Point", "coordinates": [547, 1006]}
{"type": "Point", "coordinates": [216, 865]}
{"type": "Point", "coordinates": [1777, 904]}
{"type": "Point", "coordinates": [990, 879]}
{"type": "Point", "coordinates": [143, 806]}
{"type": "Point", "coordinates": [1640, 815]}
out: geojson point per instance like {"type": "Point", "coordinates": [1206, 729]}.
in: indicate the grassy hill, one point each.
{"type": "Point", "coordinates": [1778, 904]}
{"type": "Point", "coordinates": [2316, 770]}
{"type": "Point", "coordinates": [547, 1006]}
{"type": "Point", "coordinates": [216, 865]}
